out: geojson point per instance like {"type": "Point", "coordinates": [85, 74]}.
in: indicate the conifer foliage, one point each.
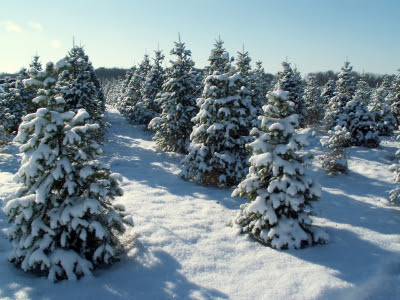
{"type": "Point", "coordinates": [345, 89]}
{"type": "Point", "coordinates": [81, 88]}
{"type": "Point", "coordinates": [63, 220]}
{"type": "Point", "coordinates": [146, 106]}
{"type": "Point", "coordinates": [277, 189]}
{"type": "Point", "coordinates": [395, 98]}
{"type": "Point", "coordinates": [346, 83]}
{"type": "Point", "coordinates": [133, 92]}
{"type": "Point", "coordinates": [217, 154]}
{"type": "Point", "coordinates": [381, 109]}
{"type": "Point", "coordinates": [329, 91]}
{"type": "Point", "coordinates": [313, 101]}
{"type": "Point", "coordinates": [361, 124]}
{"type": "Point", "coordinates": [219, 59]}
{"type": "Point", "coordinates": [178, 103]}
{"type": "Point", "coordinates": [15, 103]}
{"type": "Point", "coordinates": [290, 80]}
{"type": "Point", "coordinates": [262, 83]}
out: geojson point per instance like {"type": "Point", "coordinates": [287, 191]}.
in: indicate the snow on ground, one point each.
{"type": "Point", "coordinates": [183, 247]}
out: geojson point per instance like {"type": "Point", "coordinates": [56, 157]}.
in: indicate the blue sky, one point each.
{"type": "Point", "coordinates": [314, 35]}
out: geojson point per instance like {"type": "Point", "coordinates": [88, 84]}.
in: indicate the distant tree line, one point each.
{"type": "Point", "coordinates": [322, 77]}
{"type": "Point", "coordinates": [372, 79]}
{"type": "Point", "coordinates": [110, 73]}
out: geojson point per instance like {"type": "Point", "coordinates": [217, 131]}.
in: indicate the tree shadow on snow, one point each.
{"type": "Point", "coordinates": [147, 275]}
{"type": "Point", "coordinates": [344, 209]}
{"type": "Point", "coordinates": [349, 257]}
{"type": "Point", "coordinates": [143, 163]}
{"type": "Point", "coordinates": [154, 275]}
{"type": "Point", "coordinates": [10, 161]}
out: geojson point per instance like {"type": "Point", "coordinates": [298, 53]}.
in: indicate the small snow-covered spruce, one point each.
{"type": "Point", "coordinates": [313, 101]}
{"type": "Point", "coordinates": [363, 89]}
{"type": "Point", "coordinates": [346, 83]}
{"type": "Point", "coordinates": [15, 103]}
{"type": "Point", "coordinates": [119, 102]}
{"type": "Point", "coordinates": [36, 63]}
{"type": "Point", "coordinates": [63, 220]}
{"type": "Point", "coordinates": [262, 83]}
{"type": "Point", "coordinates": [134, 91]}
{"type": "Point", "coordinates": [335, 112]}
{"type": "Point", "coordinates": [381, 109]}
{"type": "Point", "coordinates": [277, 189]}
{"type": "Point", "coordinates": [244, 69]}
{"type": "Point", "coordinates": [219, 59]}
{"type": "Point", "coordinates": [178, 103]}
{"type": "Point", "coordinates": [290, 80]}
{"type": "Point", "coordinates": [361, 124]}
{"type": "Point", "coordinates": [345, 89]}
{"type": "Point", "coordinates": [329, 91]}
{"type": "Point", "coordinates": [81, 88]}
{"type": "Point", "coordinates": [147, 107]}
{"type": "Point", "coordinates": [112, 88]}
{"type": "Point", "coordinates": [335, 161]}
{"type": "Point", "coordinates": [395, 98]}
{"type": "Point", "coordinates": [217, 154]}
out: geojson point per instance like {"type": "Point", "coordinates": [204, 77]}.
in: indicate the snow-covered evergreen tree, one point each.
{"type": "Point", "coordinates": [219, 59]}
{"type": "Point", "coordinates": [147, 107]}
{"type": "Point", "coordinates": [63, 219]}
{"type": "Point", "coordinates": [381, 109]}
{"type": "Point", "coordinates": [346, 83]}
{"type": "Point", "coordinates": [277, 189]}
{"type": "Point", "coordinates": [121, 101]}
{"type": "Point", "coordinates": [395, 98]}
{"type": "Point", "coordinates": [361, 124]}
{"type": "Point", "coordinates": [313, 101]}
{"type": "Point", "coordinates": [262, 83]}
{"type": "Point", "coordinates": [217, 154]}
{"type": "Point", "coordinates": [178, 103]}
{"type": "Point", "coordinates": [134, 91]}
{"type": "Point", "coordinates": [22, 74]}
{"type": "Point", "coordinates": [290, 80]}
{"type": "Point", "coordinates": [15, 103]}
{"type": "Point", "coordinates": [345, 90]}
{"type": "Point", "coordinates": [36, 63]}
{"type": "Point", "coordinates": [81, 88]}
{"type": "Point", "coordinates": [363, 90]}
{"type": "Point", "coordinates": [335, 160]}
{"type": "Point", "coordinates": [386, 86]}
{"type": "Point", "coordinates": [243, 64]}
{"type": "Point", "coordinates": [112, 89]}
{"type": "Point", "coordinates": [244, 69]}
{"type": "Point", "coordinates": [328, 91]}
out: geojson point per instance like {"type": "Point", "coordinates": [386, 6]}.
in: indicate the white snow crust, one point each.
{"type": "Point", "coordinates": [186, 248]}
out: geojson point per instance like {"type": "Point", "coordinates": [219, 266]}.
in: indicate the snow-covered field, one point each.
{"type": "Point", "coordinates": [183, 247]}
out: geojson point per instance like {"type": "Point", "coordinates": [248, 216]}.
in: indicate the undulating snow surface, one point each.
{"type": "Point", "coordinates": [183, 247]}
